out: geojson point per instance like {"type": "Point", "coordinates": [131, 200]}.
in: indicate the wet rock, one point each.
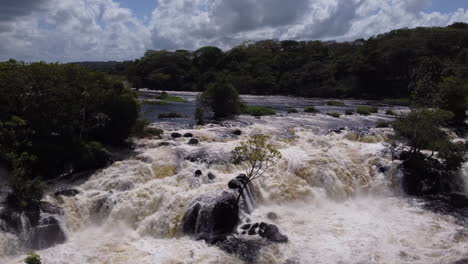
{"type": "Point", "coordinates": [202, 155]}
{"type": "Point", "coordinates": [11, 221]}
{"type": "Point", "coordinates": [188, 135]}
{"type": "Point", "coordinates": [272, 216]}
{"type": "Point", "coordinates": [245, 226]}
{"type": "Point", "coordinates": [67, 192]}
{"type": "Point", "coordinates": [381, 168]}
{"type": "Point", "coordinates": [212, 217]}
{"type": "Point", "coordinates": [47, 234]}
{"type": "Point", "coordinates": [404, 155]}
{"type": "Point", "coordinates": [272, 233]}
{"type": "Point", "coordinates": [176, 135]}
{"type": "Point", "coordinates": [101, 208]}
{"type": "Point", "coordinates": [198, 173]}
{"type": "Point", "coordinates": [462, 261]}
{"type": "Point", "coordinates": [234, 184]}
{"type": "Point", "coordinates": [211, 176]}
{"type": "Point", "coordinates": [245, 249]}
{"type": "Point", "coordinates": [50, 208]}
{"type": "Point", "coordinates": [193, 141]}
{"type": "Point", "coordinates": [164, 144]}
{"type": "Point", "coordinates": [337, 131]}
{"type": "Point", "coordinates": [237, 132]}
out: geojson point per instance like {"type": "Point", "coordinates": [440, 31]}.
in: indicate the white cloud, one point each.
{"type": "Point", "coordinates": [73, 30]}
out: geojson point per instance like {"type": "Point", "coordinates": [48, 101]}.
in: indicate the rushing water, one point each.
{"type": "Point", "coordinates": [332, 200]}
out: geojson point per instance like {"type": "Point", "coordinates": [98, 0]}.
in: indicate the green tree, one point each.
{"type": "Point", "coordinates": [255, 156]}
{"type": "Point", "coordinates": [33, 258]}
{"type": "Point", "coordinates": [222, 98]}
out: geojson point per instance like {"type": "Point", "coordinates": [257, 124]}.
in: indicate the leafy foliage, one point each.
{"type": "Point", "coordinates": [55, 118]}
{"type": "Point", "coordinates": [33, 258]}
{"type": "Point", "coordinates": [311, 109]}
{"type": "Point", "coordinates": [258, 111]}
{"type": "Point", "coordinates": [255, 156]}
{"type": "Point", "coordinates": [221, 98]}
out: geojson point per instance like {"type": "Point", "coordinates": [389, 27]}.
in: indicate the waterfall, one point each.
{"type": "Point", "coordinates": [336, 196]}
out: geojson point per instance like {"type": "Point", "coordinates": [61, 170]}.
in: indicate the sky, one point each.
{"type": "Point", "coordinates": [104, 30]}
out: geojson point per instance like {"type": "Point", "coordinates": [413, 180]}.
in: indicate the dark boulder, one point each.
{"type": "Point", "coordinates": [50, 208]}
{"type": "Point", "coordinates": [234, 184]}
{"type": "Point", "coordinates": [188, 135]}
{"type": "Point", "coordinates": [164, 144]}
{"type": "Point", "coordinates": [245, 249]}
{"type": "Point", "coordinates": [212, 217]}
{"type": "Point", "coordinates": [47, 234]}
{"type": "Point", "coordinates": [176, 135]}
{"type": "Point", "coordinates": [67, 192]}
{"type": "Point", "coordinates": [211, 176]}
{"type": "Point", "coordinates": [198, 173]}
{"type": "Point", "coordinates": [272, 216]}
{"type": "Point", "coordinates": [272, 233]}
{"type": "Point", "coordinates": [237, 132]}
{"type": "Point", "coordinates": [193, 141]}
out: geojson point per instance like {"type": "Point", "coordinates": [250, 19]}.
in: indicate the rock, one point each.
{"type": "Point", "coordinates": [198, 173]}
{"type": "Point", "coordinates": [237, 132]}
{"type": "Point", "coordinates": [67, 192]}
{"type": "Point", "coordinates": [50, 208]}
{"type": "Point", "coordinates": [188, 135]}
{"type": "Point", "coordinates": [381, 168]}
{"type": "Point", "coordinates": [212, 217]}
{"type": "Point", "coordinates": [234, 184]}
{"type": "Point", "coordinates": [272, 233]}
{"type": "Point", "coordinates": [47, 234]}
{"type": "Point", "coordinates": [242, 178]}
{"type": "Point", "coordinates": [176, 135]}
{"type": "Point", "coordinates": [211, 176]}
{"type": "Point", "coordinates": [245, 226]}
{"type": "Point", "coordinates": [246, 249]}
{"type": "Point", "coordinates": [272, 216]}
{"type": "Point", "coordinates": [164, 144]}
{"type": "Point", "coordinates": [193, 141]}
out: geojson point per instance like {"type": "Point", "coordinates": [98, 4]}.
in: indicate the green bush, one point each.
{"type": "Point", "coordinates": [139, 129]}
{"type": "Point", "coordinates": [32, 258]}
{"type": "Point", "coordinates": [292, 110]}
{"type": "Point", "coordinates": [170, 115]}
{"type": "Point", "coordinates": [349, 112]}
{"type": "Point", "coordinates": [390, 112]}
{"type": "Point", "coordinates": [155, 132]}
{"type": "Point", "coordinates": [335, 103]}
{"type": "Point", "coordinates": [334, 114]}
{"type": "Point", "coordinates": [382, 124]}
{"type": "Point", "coordinates": [311, 109]}
{"type": "Point", "coordinates": [220, 97]}
{"type": "Point", "coordinates": [258, 111]}
{"type": "Point", "coordinates": [169, 98]}
{"type": "Point", "coordinates": [152, 102]}
{"type": "Point", "coordinates": [366, 110]}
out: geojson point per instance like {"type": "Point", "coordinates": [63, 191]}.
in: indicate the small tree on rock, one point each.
{"type": "Point", "coordinates": [255, 156]}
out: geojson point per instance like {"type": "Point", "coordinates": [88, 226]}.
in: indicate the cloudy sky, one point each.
{"type": "Point", "coordinates": [78, 30]}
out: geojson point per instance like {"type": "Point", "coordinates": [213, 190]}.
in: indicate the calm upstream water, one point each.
{"type": "Point", "coordinates": [330, 195]}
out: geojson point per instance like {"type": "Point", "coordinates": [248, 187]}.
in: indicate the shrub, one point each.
{"type": "Point", "coordinates": [335, 103]}
{"type": "Point", "coordinates": [155, 132]}
{"type": "Point", "coordinates": [349, 112]}
{"type": "Point", "coordinates": [152, 102]}
{"type": "Point", "coordinates": [334, 114]}
{"type": "Point", "coordinates": [390, 112]}
{"type": "Point", "coordinates": [258, 111]}
{"type": "Point", "coordinates": [170, 115]}
{"type": "Point", "coordinates": [311, 109]}
{"type": "Point", "coordinates": [382, 124]}
{"type": "Point", "coordinates": [169, 98]}
{"type": "Point", "coordinates": [220, 97]}
{"type": "Point", "coordinates": [139, 129]}
{"type": "Point", "coordinates": [255, 156]}
{"type": "Point", "coordinates": [292, 110]}
{"type": "Point", "coordinates": [366, 110]}
{"type": "Point", "coordinates": [32, 258]}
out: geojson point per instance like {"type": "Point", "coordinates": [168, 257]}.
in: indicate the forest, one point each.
{"type": "Point", "coordinates": [383, 66]}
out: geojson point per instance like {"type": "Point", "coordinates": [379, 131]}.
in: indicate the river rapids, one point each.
{"type": "Point", "coordinates": [337, 196]}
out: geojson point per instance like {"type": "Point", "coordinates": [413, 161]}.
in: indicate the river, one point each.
{"type": "Point", "coordinates": [330, 194]}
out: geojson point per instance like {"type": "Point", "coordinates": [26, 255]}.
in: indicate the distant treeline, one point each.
{"type": "Point", "coordinates": [383, 66]}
